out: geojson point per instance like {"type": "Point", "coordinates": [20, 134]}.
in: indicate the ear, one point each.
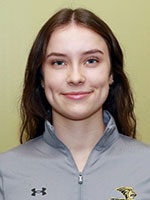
{"type": "Point", "coordinates": [111, 79]}
{"type": "Point", "coordinates": [42, 84]}
{"type": "Point", "coordinates": [41, 77]}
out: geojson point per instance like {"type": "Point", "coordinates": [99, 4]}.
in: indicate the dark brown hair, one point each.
{"type": "Point", "coordinates": [34, 105]}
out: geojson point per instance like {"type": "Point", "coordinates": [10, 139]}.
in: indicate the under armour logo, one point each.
{"type": "Point", "coordinates": [35, 192]}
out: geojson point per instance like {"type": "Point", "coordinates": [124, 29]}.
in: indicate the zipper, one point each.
{"type": "Point", "coordinates": [80, 174]}
{"type": "Point", "coordinates": [80, 178]}
{"type": "Point", "coordinates": [80, 182]}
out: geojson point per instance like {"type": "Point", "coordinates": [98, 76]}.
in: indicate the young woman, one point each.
{"type": "Point", "coordinates": [78, 124]}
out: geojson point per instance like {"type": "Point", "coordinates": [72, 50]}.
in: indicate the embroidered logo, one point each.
{"type": "Point", "coordinates": [127, 192]}
{"type": "Point", "coordinates": [36, 192]}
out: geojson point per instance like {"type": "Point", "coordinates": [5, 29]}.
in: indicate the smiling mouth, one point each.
{"type": "Point", "coordinates": [77, 95]}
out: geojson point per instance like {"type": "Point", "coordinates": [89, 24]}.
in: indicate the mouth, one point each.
{"type": "Point", "coordinates": [77, 95]}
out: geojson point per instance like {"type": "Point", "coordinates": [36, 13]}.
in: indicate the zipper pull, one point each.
{"type": "Point", "coordinates": [80, 179]}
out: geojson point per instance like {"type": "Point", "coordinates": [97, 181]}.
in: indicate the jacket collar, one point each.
{"type": "Point", "coordinates": [110, 134]}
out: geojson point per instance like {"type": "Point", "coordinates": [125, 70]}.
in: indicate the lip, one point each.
{"type": "Point", "coordinates": [77, 95]}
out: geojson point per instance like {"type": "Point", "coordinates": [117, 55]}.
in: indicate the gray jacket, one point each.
{"type": "Point", "coordinates": [43, 169]}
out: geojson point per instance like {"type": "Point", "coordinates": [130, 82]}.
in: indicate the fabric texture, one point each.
{"type": "Point", "coordinates": [43, 169]}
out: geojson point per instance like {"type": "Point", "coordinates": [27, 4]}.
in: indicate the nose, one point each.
{"type": "Point", "coordinates": [76, 76]}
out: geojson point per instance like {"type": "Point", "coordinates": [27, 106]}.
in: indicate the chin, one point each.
{"type": "Point", "coordinates": [76, 116]}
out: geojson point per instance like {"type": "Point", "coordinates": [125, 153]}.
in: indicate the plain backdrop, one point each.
{"type": "Point", "coordinates": [21, 20]}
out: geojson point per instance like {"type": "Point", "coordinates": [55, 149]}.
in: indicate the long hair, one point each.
{"type": "Point", "coordinates": [35, 108]}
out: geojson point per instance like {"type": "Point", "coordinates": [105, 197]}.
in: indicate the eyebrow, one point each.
{"type": "Point", "coordinates": [84, 53]}
{"type": "Point", "coordinates": [93, 51]}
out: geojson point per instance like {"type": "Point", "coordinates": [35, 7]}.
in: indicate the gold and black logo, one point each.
{"type": "Point", "coordinates": [127, 192]}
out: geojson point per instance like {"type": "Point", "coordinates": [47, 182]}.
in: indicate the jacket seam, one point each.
{"type": "Point", "coordinates": [3, 193]}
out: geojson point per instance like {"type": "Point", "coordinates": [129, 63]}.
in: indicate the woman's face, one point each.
{"type": "Point", "coordinates": [76, 72]}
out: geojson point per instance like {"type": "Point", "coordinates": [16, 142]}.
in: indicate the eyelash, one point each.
{"type": "Point", "coordinates": [93, 59]}
{"type": "Point", "coordinates": [55, 62]}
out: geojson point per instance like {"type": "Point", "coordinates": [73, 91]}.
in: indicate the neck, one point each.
{"type": "Point", "coordinates": [79, 136]}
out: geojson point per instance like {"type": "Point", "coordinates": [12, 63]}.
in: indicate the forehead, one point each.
{"type": "Point", "coordinates": [75, 38]}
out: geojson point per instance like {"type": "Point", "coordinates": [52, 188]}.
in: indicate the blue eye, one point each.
{"type": "Point", "coordinates": [59, 62]}
{"type": "Point", "coordinates": [91, 61]}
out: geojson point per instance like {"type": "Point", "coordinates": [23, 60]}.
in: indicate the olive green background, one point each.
{"type": "Point", "coordinates": [20, 20]}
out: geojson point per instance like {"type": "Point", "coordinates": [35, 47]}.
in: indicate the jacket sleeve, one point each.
{"type": "Point", "coordinates": [1, 187]}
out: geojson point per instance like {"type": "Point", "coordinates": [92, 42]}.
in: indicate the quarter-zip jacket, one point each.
{"type": "Point", "coordinates": [118, 167]}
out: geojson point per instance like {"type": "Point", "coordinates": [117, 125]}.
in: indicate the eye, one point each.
{"type": "Point", "coordinates": [91, 61]}
{"type": "Point", "coordinates": [58, 62]}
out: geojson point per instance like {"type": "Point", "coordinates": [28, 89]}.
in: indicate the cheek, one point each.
{"type": "Point", "coordinates": [53, 82]}
{"type": "Point", "coordinates": [100, 83]}
{"type": "Point", "coordinates": [99, 80]}
{"type": "Point", "coordinates": [50, 88]}
{"type": "Point", "coordinates": [101, 86]}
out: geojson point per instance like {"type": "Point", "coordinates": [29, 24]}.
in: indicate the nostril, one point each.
{"type": "Point", "coordinates": [76, 79]}
{"type": "Point", "coordinates": [76, 82]}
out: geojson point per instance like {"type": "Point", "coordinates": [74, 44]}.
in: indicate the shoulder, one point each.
{"type": "Point", "coordinates": [21, 153]}
{"type": "Point", "coordinates": [23, 147]}
{"type": "Point", "coordinates": [127, 146]}
{"type": "Point", "coordinates": [132, 143]}
{"type": "Point", "coordinates": [129, 154]}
